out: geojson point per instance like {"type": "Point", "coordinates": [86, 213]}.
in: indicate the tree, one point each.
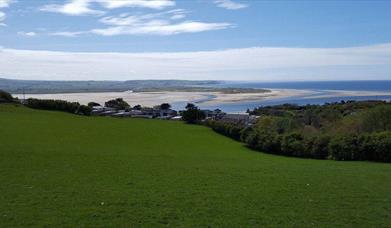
{"type": "Point", "coordinates": [192, 114]}
{"type": "Point", "coordinates": [377, 119]}
{"type": "Point", "coordinates": [165, 106]}
{"type": "Point", "coordinates": [190, 106]}
{"type": "Point", "coordinates": [137, 107]}
{"type": "Point", "coordinates": [84, 110]}
{"type": "Point", "coordinates": [92, 104]}
{"type": "Point", "coordinates": [118, 103]}
{"type": "Point", "coordinates": [5, 97]}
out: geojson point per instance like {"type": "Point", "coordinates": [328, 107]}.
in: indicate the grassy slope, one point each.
{"type": "Point", "coordinates": [58, 169]}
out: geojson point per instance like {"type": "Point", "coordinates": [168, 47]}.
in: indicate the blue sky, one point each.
{"type": "Point", "coordinates": [280, 29]}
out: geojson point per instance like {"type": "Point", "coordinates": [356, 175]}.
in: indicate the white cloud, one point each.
{"type": "Point", "coordinates": [30, 34]}
{"type": "Point", "coordinates": [2, 18]}
{"type": "Point", "coordinates": [4, 4]}
{"type": "Point", "coordinates": [153, 4]}
{"type": "Point", "coordinates": [67, 34]}
{"type": "Point", "coordinates": [161, 27]}
{"type": "Point", "coordinates": [161, 23]}
{"type": "Point", "coordinates": [73, 8]}
{"type": "Point", "coordinates": [258, 63]}
{"type": "Point", "coordinates": [177, 16]}
{"type": "Point", "coordinates": [139, 19]}
{"type": "Point", "coordinates": [229, 4]}
{"type": "Point", "coordinates": [84, 7]}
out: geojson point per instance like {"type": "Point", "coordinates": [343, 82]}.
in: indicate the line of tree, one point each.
{"type": "Point", "coordinates": [6, 97]}
{"type": "Point", "coordinates": [339, 131]}
{"type": "Point", "coordinates": [58, 105]}
{"type": "Point", "coordinates": [118, 104]}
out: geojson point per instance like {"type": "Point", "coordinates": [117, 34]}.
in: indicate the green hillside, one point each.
{"type": "Point", "coordinates": [59, 169]}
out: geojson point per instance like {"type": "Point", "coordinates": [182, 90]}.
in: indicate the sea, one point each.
{"type": "Point", "coordinates": [325, 88]}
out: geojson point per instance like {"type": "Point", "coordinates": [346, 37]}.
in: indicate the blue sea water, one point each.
{"type": "Point", "coordinates": [316, 85]}
{"type": "Point", "coordinates": [318, 88]}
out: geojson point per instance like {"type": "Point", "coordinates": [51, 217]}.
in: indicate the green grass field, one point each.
{"type": "Point", "coordinates": [58, 169]}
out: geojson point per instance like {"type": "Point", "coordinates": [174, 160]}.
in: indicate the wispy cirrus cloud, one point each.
{"type": "Point", "coordinates": [85, 7]}
{"type": "Point", "coordinates": [153, 4]}
{"type": "Point", "coordinates": [161, 28]}
{"type": "Point", "coordinates": [68, 34]}
{"type": "Point", "coordinates": [28, 34]}
{"type": "Point", "coordinates": [140, 18]}
{"type": "Point", "coordinates": [230, 5]}
{"type": "Point", "coordinates": [160, 23]}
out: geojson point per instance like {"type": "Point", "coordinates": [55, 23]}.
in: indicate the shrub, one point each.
{"type": "Point", "coordinates": [5, 97]}
{"type": "Point", "coordinates": [346, 148]}
{"type": "Point", "coordinates": [55, 105]}
{"type": "Point", "coordinates": [118, 104]}
{"type": "Point", "coordinates": [92, 104]}
{"type": "Point", "coordinates": [192, 114]}
{"type": "Point", "coordinates": [377, 146]}
{"type": "Point", "coordinates": [84, 110]}
{"type": "Point", "coordinates": [292, 144]}
{"type": "Point", "coordinates": [377, 119]}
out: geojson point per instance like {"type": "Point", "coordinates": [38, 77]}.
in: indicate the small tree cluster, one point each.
{"type": "Point", "coordinates": [339, 131]}
{"type": "Point", "coordinates": [192, 114]}
{"type": "Point", "coordinates": [58, 105]}
{"type": "Point", "coordinates": [118, 104]}
{"type": "Point", "coordinates": [5, 97]}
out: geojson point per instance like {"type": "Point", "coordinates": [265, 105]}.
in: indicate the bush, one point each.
{"type": "Point", "coordinates": [84, 110]}
{"type": "Point", "coordinates": [55, 105]}
{"type": "Point", "coordinates": [5, 97]}
{"type": "Point", "coordinates": [377, 146]}
{"type": "Point", "coordinates": [347, 148]}
{"type": "Point", "coordinates": [319, 147]}
{"type": "Point", "coordinates": [118, 104]}
{"type": "Point", "coordinates": [292, 144]}
{"type": "Point", "coordinates": [192, 114]}
{"type": "Point", "coordinates": [92, 104]}
{"type": "Point", "coordinates": [377, 119]}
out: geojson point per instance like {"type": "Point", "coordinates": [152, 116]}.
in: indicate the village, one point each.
{"type": "Point", "coordinates": [164, 112]}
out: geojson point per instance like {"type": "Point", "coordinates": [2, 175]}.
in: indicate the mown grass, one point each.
{"type": "Point", "coordinates": [59, 169]}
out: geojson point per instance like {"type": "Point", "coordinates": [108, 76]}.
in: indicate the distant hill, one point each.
{"type": "Point", "coordinates": [33, 86]}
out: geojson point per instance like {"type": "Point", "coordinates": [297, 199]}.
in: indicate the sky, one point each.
{"type": "Point", "coordinates": [195, 40]}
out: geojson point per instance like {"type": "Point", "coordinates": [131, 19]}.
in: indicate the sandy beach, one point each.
{"type": "Point", "coordinates": [155, 98]}
{"type": "Point", "coordinates": [201, 98]}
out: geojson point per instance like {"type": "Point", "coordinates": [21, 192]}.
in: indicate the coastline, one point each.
{"type": "Point", "coordinates": [200, 98]}
{"type": "Point", "coordinates": [155, 98]}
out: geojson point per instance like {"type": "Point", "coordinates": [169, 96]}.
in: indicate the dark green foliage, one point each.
{"type": "Point", "coordinates": [84, 110]}
{"type": "Point", "coordinates": [192, 114]}
{"type": "Point", "coordinates": [317, 146]}
{"type": "Point", "coordinates": [228, 129]}
{"type": "Point", "coordinates": [92, 104]}
{"type": "Point", "coordinates": [165, 106]}
{"type": "Point", "coordinates": [54, 105]}
{"type": "Point", "coordinates": [381, 145]}
{"type": "Point", "coordinates": [346, 147]}
{"type": "Point", "coordinates": [137, 107]}
{"type": "Point", "coordinates": [377, 119]}
{"type": "Point", "coordinates": [292, 145]}
{"type": "Point", "coordinates": [339, 131]}
{"type": "Point", "coordinates": [118, 104]}
{"type": "Point", "coordinates": [5, 97]}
